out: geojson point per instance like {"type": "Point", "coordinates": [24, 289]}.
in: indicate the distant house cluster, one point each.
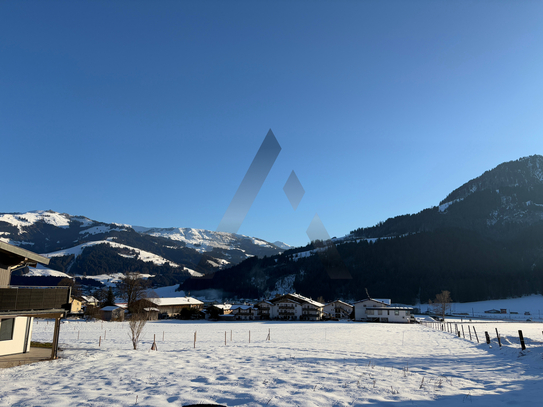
{"type": "Point", "coordinates": [154, 308]}
{"type": "Point", "coordinates": [296, 307]}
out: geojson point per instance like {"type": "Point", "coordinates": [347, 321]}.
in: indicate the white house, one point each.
{"type": "Point", "coordinates": [291, 307]}
{"type": "Point", "coordinates": [338, 309]}
{"type": "Point", "coordinates": [372, 310]}
{"type": "Point", "coordinates": [174, 305]}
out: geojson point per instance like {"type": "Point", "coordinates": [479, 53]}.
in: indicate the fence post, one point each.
{"type": "Point", "coordinates": [498, 335]}
{"type": "Point", "coordinates": [469, 330]}
{"type": "Point", "coordinates": [476, 336]}
{"type": "Point", "coordinates": [463, 334]}
{"type": "Point", "coordinates": [522, 345]}
{"type": "Point", "coordinates": [487, 338]}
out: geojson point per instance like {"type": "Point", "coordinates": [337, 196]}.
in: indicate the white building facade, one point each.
{"type": "Point", "coordinates": [371, 310]}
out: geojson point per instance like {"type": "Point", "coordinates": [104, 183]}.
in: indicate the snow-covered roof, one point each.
{"type": "Point", "coordinates": [89, 298]}
{"type": "Point", "coordinates": [240, 306]}
{"type": "Point", "coordinates": [111, 308]}
{"type": "Point", "coordinates": [175, 301]}
{"type": "Point", "coordinates": [390, 308]}
{"type": "Point", "coordinates": [223, 306]}
{"type": "Point", "coordinates": [372, 299]}
{"type": "Point", "coordinates": [299, 298]}
{"type": "Point", "coordinates": [341, 302]}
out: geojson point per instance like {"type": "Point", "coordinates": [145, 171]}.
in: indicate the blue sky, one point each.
{"type": "Point", "coordinates": [150, 113]}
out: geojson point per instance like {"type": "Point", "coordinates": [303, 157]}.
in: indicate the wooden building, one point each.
{"type": "Point", "coordinates": [20, 305]}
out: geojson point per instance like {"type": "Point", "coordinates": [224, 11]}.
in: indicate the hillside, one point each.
{"type": "Point", "coordinates": [80, 246]}
{"type": "Point", "coordinates": [484, 241]}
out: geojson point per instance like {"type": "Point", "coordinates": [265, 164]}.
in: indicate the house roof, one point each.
{"type": "Point", "coordinates": [13, 255]}
{"type": "Point", "coordinates": [222, 306]}
{"type": "Point", "coordinates": [175, 301]}
{"type": "Point", "coordinates": [372, 299]}
{"type": "Point", "coordinates": [123, 305]}
{"type": "Point", "coordinates": [298, 298]}
{"type": "Point", "coordinates": [89, 298]}
{"type": "Point", "coordinates": [390, 308]}
{"type": "Point", "coordinates": [111, 308]}
{"type": "Point", "coordinates": [341, 302]}
{"type": "Point", "coordinates": [241, 306]}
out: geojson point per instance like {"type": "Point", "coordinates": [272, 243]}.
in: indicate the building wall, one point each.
{"type": "Point", "coordinates": [332, 310]}
{"type": "Point", "coordinates": [388, 315]}
{"type": "Point", "coordinates": [17, 344]}
{"type": "Point", "coordinates": [360, 309]}
{"type": "Point", "coordinates": [5, 277]}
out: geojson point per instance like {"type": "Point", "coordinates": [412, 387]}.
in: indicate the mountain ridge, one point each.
{"type": "Point", "coordinates": [484, 240]}
{"type": "Point", "coordinates": [75, 244]}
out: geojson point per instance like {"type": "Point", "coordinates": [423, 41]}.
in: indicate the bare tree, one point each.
{"type": "Point", "coordinates": [136, 324]}
{"type": "Point", "coordinates": [442, 303]}
{"type": "Point", "coordinates": [133, 288]}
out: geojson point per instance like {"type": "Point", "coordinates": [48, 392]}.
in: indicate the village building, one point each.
{"type": "Point", "coordinates": [244, 312]}
{"type": "Point", "coordinates": [172, 307]}
{"type": "Point", "coordinates": [373, 310]}
{"type": "Point", "coordinates": [266, 310]}
{"type": "Point", "coordinates": [20, 305]}
{"type": "Point", "coordinates": [218, 311]}
{"type": "Point", "coordinates": [290, 307]}
{"type": "Point", "coordinates": [76, 307]}
{"type": "Point", "coordinates": [113, 313]}
{"type": "Point", "coordinates": [338, 310]}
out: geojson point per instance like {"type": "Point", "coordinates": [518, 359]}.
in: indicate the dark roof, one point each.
{"type": "Point", "coordinates": [12, 256]}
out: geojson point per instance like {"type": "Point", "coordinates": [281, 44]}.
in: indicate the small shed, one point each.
{"type": "Point", "coordinates": [113, 313]}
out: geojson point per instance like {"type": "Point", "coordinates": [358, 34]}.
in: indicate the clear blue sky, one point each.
{"type": "Point", "coordinates": [150, 113]}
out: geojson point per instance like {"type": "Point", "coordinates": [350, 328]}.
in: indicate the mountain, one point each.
{"type": "Point", "coordinates": [483, 241]}
{"type": "Point", "coordinates": [81, 246]}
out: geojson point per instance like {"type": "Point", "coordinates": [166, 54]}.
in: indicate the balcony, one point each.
{"type": "Point", "coordinates": [17, 299]}
{"type": "Point", "coordinates": [286, 312]}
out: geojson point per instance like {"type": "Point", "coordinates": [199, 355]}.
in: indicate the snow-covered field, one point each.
{"type": "Point", "coordinates": [303, 364]}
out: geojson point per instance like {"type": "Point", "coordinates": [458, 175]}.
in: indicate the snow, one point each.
{"type": "Point", "coordinates": [99, 229]}
{"type": "Point", "coordinates": [443, 207]}
{"type": "Point", "coordinates": [532, 304]}
{"type": "Point", "coordinates": [193, 273]}
{"type": "Point", "coordinates": [176, 301]}
{"type": "Point", "coordinates": [142, 254]}
{"type": "Point", "coordinates": [304, 364]}
{"type": "Point", "coordinates": [200, 239]}
{"type": "Point", "coordinates": [282, 245]}
{"type": "Point", "coordinates": [41, 271]}
{"type": "Point", "coordinates": [83, 220]}
{"type": "Point", "coordinates": [110, 280]}
{"type": "Point", "coordinates": [21, 220]}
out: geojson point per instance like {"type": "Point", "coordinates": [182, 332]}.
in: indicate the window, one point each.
{"type": "Point", "coordinates": [6, 329]}
{"type": "Point", "coordinates": [369, 312]}
{"type": "Point", "coordinates": [396, 312]}
{"type": "Point", "coordinates": [380, 312]}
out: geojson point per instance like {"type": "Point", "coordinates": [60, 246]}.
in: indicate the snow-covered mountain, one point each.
{"type": "Point", "coordinates": [79, 245]}
{"type": "Point", "coordinates": [484, 240]}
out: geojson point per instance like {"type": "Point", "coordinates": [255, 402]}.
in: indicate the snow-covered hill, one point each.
{"type": "Point", "coordinates": [70, 240]}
